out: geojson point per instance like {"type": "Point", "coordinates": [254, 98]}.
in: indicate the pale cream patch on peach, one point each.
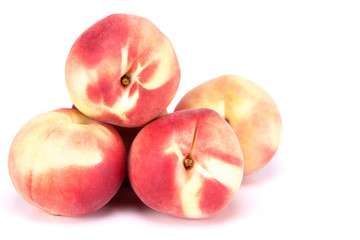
{"type": "Point", "coordinates": [188, 183]}
{"type": "Point", "coordinates": [174, 148]}
{"type": "Point", "coordinates": [165, 58]}
{"type": "Point", "coordinates": [125, 103]}
{"type": "Point", "coordinates": [81, 76]}
{"type": "Point", "coordinates": [180, 174]}
{"type": "Point", "coordinates": [44, 154]}
{"type": "Point", "coordinates": [79, 118]}
{"type": "Point", "coordinates": [227, 174]}
{"type": "Point", "coordinates": [237, 108]}
{"type": "Point", "coordinates": [197, 167]}
{"type": "Point", "coordinates": [139, 68]}
{"type": "Point", "coordinates": [189, 194]}
{"type": "Point", "coordinates": [217, 106]}
{"type": "Point", "coordinates": [50, 157]}
{"type": "Point", "coordinates": [125, 66]}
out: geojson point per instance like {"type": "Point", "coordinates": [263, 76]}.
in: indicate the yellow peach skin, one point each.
{"type": "Point", "coordinates": [249, 110]}
{"type": "Point", "coordinates": [66, 163]}
{"type": "Point", "coordinates": [122, 70]}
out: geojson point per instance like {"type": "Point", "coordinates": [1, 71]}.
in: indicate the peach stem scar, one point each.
{"type": "Point", "coordinates": [188, 162]}
{"type": "Point", "coordinates": [125, 80]}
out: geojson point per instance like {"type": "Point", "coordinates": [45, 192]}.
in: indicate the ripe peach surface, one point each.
{"type": "Point", "coordinates": [122, 70]}
{"type": "Point", "coordinates": [188, 164]}
{"type": "Point", "coordinates": [128, 134]}
{"type": "Point", "coordinates": [66, 163]}
{"type": "Point", "coordinates": [249, 110]}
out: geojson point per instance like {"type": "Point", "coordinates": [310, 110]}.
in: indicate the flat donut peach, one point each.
{"type": "Point", "coordinates": [122, 70]}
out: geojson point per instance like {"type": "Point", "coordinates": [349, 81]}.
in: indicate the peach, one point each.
{"type": "Point", "coordinates": [66, 163]}
{"type": "Point", "coordinates": [249, 110]}
{"type": "Point", "coordinates": [188, 164]}
{"type": "Point", "coordinates": [122, 70]}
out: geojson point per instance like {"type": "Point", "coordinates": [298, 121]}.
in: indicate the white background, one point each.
{"type": "Point", "coordinates": [306, 54]}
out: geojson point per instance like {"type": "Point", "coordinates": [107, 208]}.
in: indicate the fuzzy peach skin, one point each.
{"type": "Point", "coordinates": [249, 110]}
{"type": "Point", "coordinates": [122, 70]}
{"type": "Point", "coordinates": [66, 163]}
{"type": "Point", "coordinates": [187, 164]}
{"type": "Point", "coordinates": [128, 134]}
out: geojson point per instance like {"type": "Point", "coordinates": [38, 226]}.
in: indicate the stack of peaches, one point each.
{"type": "Point", "coordinates": [121, 75]}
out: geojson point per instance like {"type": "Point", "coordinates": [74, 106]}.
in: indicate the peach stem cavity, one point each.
{"type": "Point", "coordinates": [125, 80]}
{"type": "Point", "coordinates": [188, 162]}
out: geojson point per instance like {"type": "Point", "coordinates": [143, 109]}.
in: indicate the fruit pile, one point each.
{"type": "Point", "coordinates": [121, 74]}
